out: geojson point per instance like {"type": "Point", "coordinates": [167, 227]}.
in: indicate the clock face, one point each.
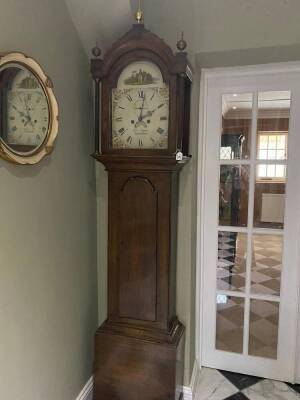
{"type": "Point", "coordinates": [140, 108]}
{"type": "Point", "coordinates": [25, 112]}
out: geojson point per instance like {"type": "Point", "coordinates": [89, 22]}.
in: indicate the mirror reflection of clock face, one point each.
{"type": "Point", "coordinates": [24, 109]}
{"type": "Point", "coordinates": [140, 108]}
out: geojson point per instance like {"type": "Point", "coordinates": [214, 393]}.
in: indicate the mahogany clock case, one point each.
{"type": "Point", "coordinates": [139, 348]}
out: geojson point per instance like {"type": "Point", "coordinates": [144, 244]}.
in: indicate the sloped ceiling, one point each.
{"type": "Point", "coordinates": [100, 20]}
{"type": "Point", "coordinates": [209, 25]}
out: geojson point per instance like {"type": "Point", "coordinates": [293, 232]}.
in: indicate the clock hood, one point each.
{"type": "Point", "coordinates": [138, 38]}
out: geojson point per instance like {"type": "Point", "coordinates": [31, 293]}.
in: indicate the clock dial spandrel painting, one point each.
{"type": "Point", "coordinates": [140, 108]}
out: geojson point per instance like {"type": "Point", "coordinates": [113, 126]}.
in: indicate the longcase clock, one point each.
{"type": "Point", "coordinates": [143, 101]}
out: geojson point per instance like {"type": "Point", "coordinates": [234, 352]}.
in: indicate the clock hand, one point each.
{"type": "Point", "coordinates": [148, 114]}
{"type": "Point", "coordinates": [28, 114]}
{"type": "Point", "coordinates": [142, 108]}
{"type": "Point", "coordinates": [18, 111]}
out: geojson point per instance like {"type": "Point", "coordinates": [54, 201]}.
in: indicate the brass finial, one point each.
{"type": "Point", "coordinates": [181, 44]}
{"type": "Point", "coordinates": [96, 51]}
{"type": "Point", "coordinates": [139, 14]}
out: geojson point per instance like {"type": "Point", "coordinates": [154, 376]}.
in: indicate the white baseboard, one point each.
{"type": "Point", "coordinates": [189, 392]}
{"type": "Point", "coordinates": [87, 391]}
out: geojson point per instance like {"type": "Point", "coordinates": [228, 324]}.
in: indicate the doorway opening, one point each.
{"type": "Point", "coordinates": [248, 256]}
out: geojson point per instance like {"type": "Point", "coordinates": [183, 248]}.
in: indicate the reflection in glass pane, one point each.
{"type": "Point", "coordinates": [263, 333]}
{"type": "Point", "coordinates": [23, 109]}
{"type": "Point", "coordinates": [232, 253]}
{"type": "Point", "coordinates": [229, 323]}
{"type": "Point", "coordinates": [280, 171]}
{"type": "Point", "coordinates": [269, 198]}
{"type": "Point", "coordinates": [236, 126]}
{"type": "Point", "coordinates": [272, 142]}
{"type": "Point", "coordinates": [281, 142]}
{"type": "Point", "coordinates": [266, 264]}
{"type": "Point", "coordinates": [233, 195]}
{"type": "Point", "coordinates": [271, 171]}
{"type": "Point", "coordinates": [272, 145]}
{"type": "Point", "coordinates": [263, 154]}
{"type": "Point", "coordinates": [280, 155]}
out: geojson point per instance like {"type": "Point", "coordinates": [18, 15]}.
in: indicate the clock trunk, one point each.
{"type": "Point", "coordinates": [139, 348]}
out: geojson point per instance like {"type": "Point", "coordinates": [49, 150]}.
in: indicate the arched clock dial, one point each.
{"type": "Point", "coordinates": [140, 108]}
{"type": "Point", "coordinates": [27, 116]}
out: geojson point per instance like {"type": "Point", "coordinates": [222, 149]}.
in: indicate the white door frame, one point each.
{"type": "Point", "coordinates": [286, 67]}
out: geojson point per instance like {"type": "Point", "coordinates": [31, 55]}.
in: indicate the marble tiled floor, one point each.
{"type": "Point", "coordinates": [223, 385]}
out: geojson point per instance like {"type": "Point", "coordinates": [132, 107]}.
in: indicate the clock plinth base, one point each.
{"type": "Point", "coordinates": [135, 368]}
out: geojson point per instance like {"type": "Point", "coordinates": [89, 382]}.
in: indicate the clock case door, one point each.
{"type": "Point", "coordinates": [140, 44]}
{"type": "Point", "coordinates": [142, 250]}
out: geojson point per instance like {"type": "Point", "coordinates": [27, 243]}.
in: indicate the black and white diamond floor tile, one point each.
{"type": "Point", "coordinates": [237, 396]}
{"type": "Point", "coordinates": [223, 385]}
{"type": "Point", "coordinates": [240, 381]}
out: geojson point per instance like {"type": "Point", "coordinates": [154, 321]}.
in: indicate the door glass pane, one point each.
{"type": "Point", "coordinates": [272, 145]}
{"type": "Point", "coordinates": [273, 119]}
{"type": "Point", "coordinates": [230, 323]}
{"type": "Point", "coordinates": [236, 126]}
{"type": "Point", "coordinates": [263, 334]}
{"type": "Point", "coordinates": [233, 195]}
{"type": "Point", "coordinates": [231, 268]}
{"type": "Point", "coordinates": [266, 264]}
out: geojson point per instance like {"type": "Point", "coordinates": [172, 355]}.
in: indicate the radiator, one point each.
{"type": "Point", "coordinates": [272, 207]}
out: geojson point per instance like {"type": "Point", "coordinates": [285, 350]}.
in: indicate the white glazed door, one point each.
{"type": "Point", "coordinates": [250, 217]}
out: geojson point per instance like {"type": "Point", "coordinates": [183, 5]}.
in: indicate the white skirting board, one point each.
{"type": "Point", "coordinates": [188, 391]}
{"type": "Point", "coordinates": [87, 391]}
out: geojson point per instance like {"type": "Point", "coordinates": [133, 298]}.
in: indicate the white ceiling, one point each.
{"type": "Point", "coordinates": [209, 25]}
{"type": "Point", "coordinates": [100, 20]}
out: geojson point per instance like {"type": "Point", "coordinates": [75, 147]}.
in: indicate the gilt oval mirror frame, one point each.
{"type": "Point", "coordinates": [28, 110]}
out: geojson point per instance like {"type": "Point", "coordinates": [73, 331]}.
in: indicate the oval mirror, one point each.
{"type": "Point", "coordinates": [28, 110]}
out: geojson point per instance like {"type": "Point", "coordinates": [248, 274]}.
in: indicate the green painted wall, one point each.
{"type": "Point", "coordinates": [48, 290]}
